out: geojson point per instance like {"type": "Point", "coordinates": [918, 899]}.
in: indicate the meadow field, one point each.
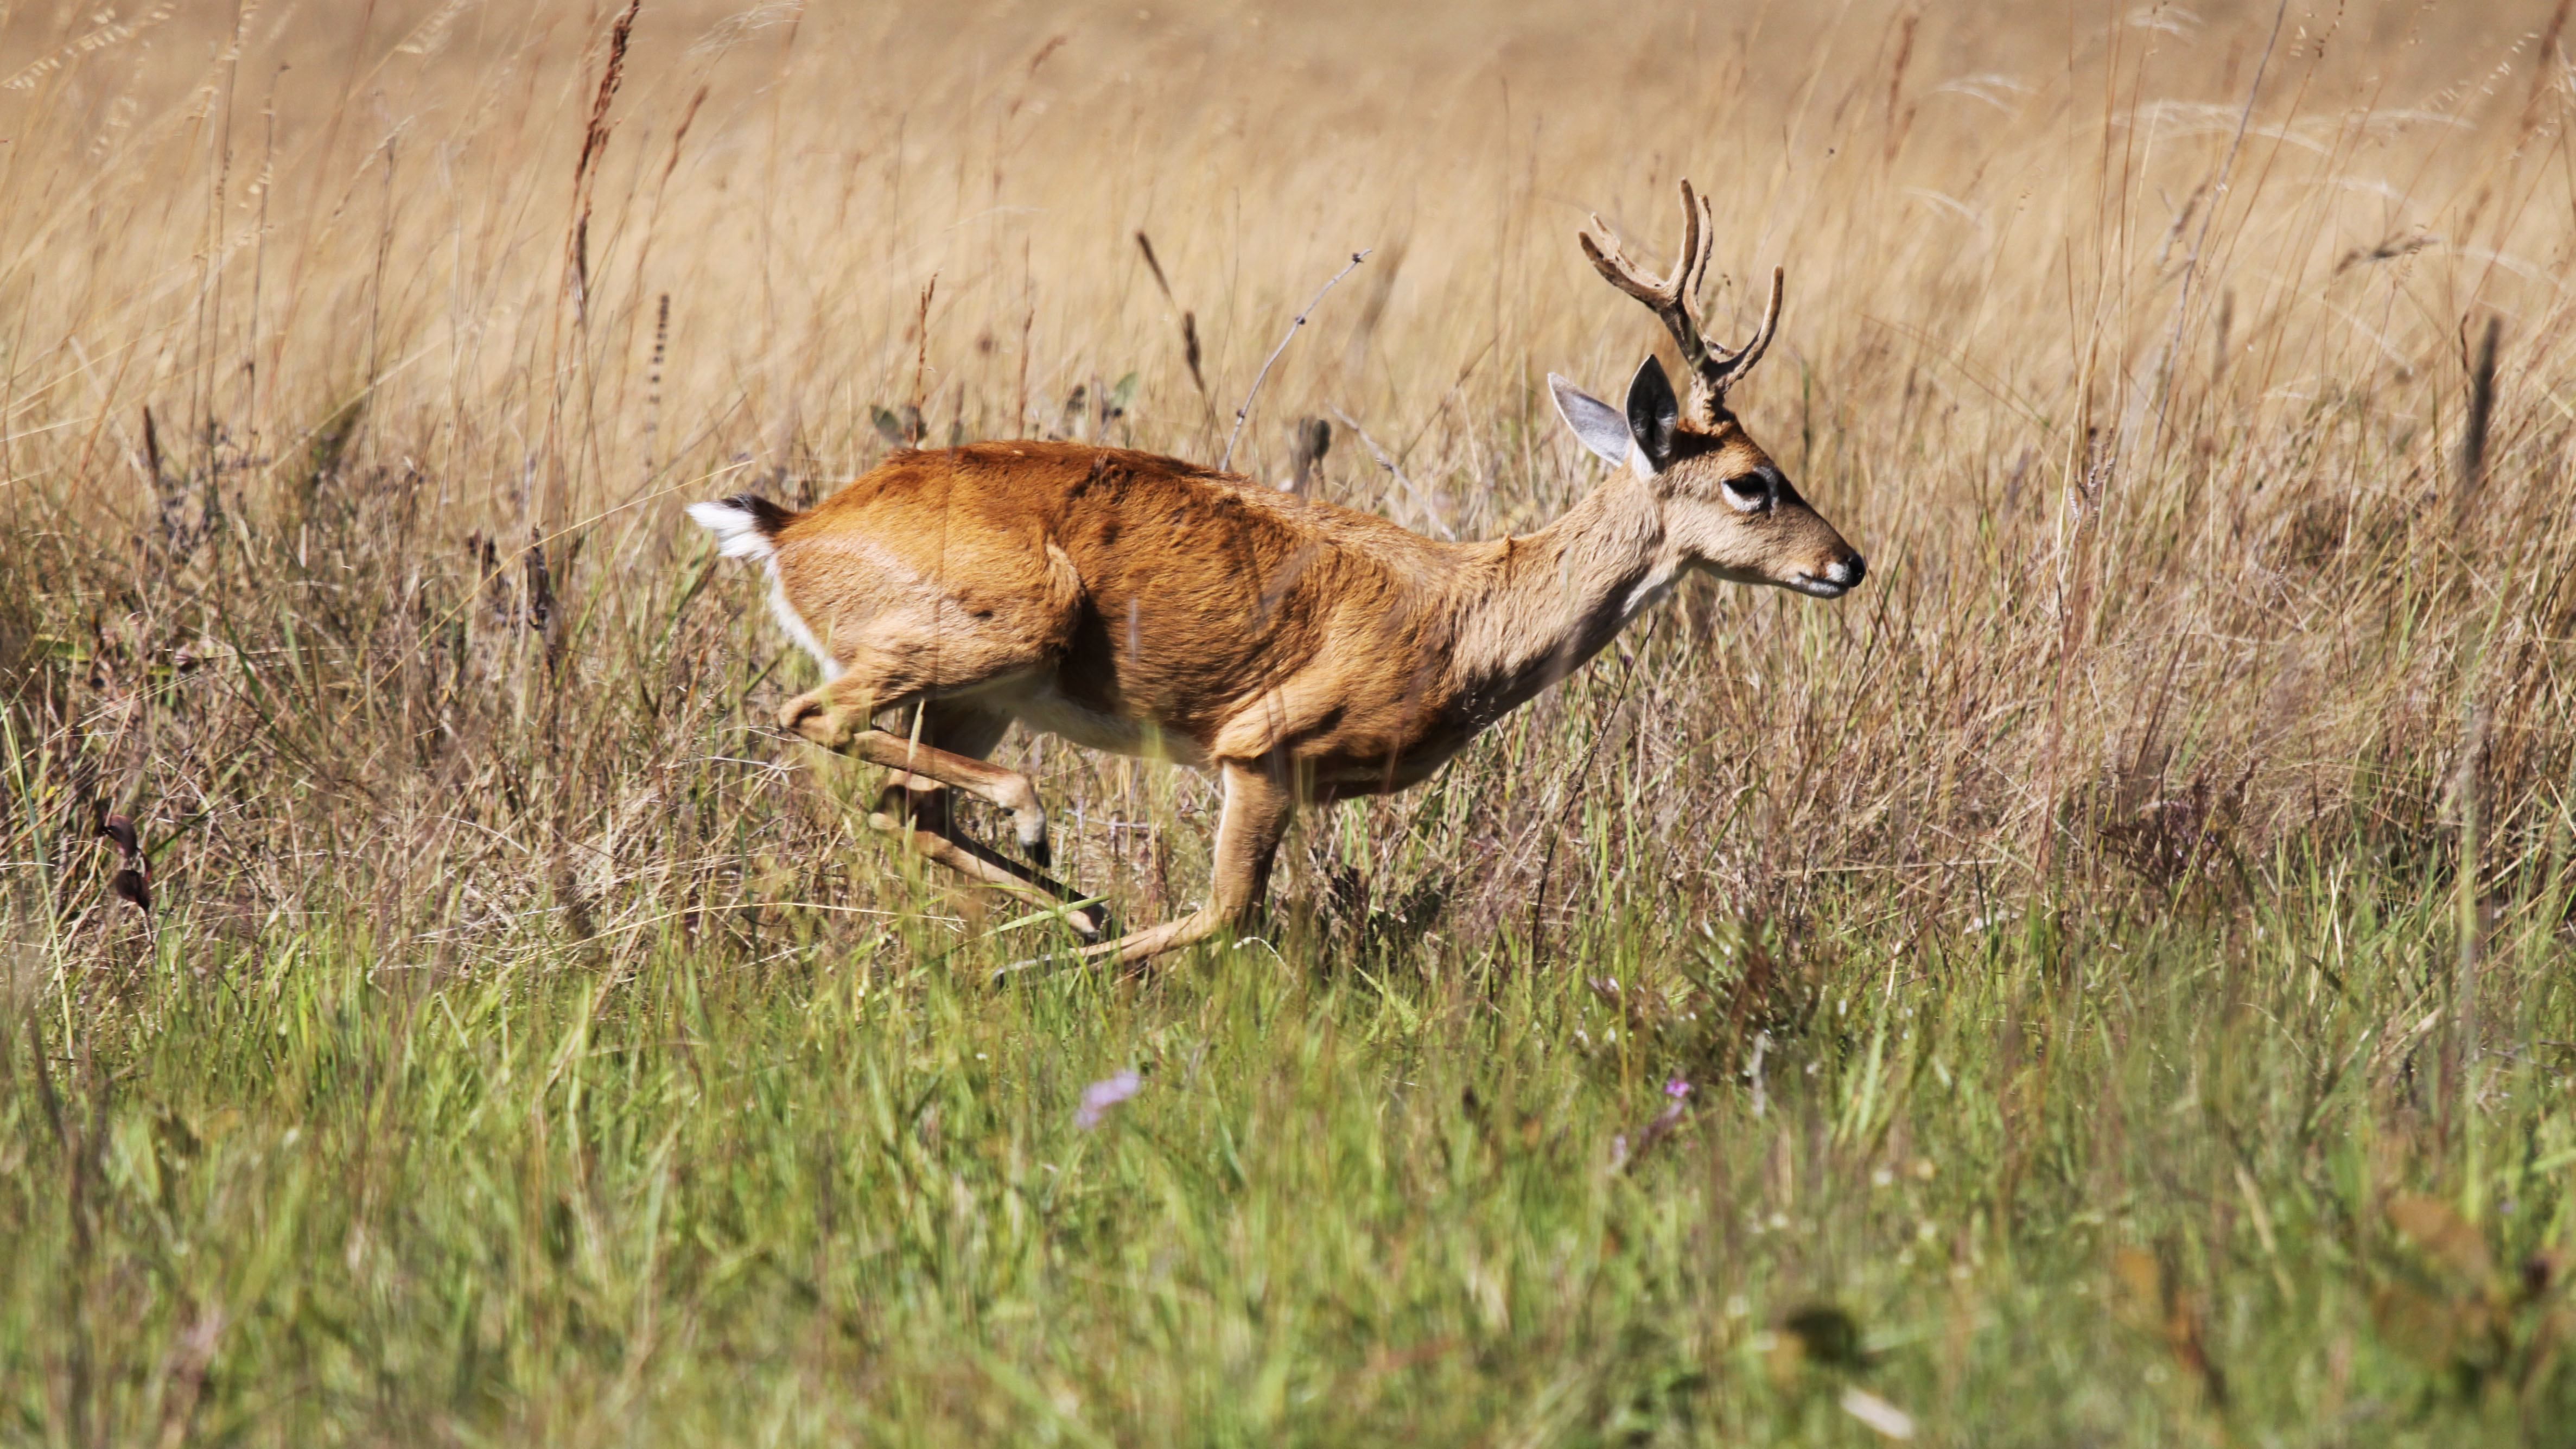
{"type": "Point", "coordinates": [2106, 981]}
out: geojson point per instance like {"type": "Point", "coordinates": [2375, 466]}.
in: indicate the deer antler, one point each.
{"type": "Point", "coordinates": [1713, 368]}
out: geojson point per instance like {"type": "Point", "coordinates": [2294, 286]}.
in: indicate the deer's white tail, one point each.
{"type": "Point", "coordinates": [745, 525]}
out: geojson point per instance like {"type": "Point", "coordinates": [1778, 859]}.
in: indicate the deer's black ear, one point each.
{"type": "Point", "coordinates": [1654, 415]}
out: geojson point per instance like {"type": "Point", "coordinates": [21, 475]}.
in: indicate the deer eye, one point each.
{"type": "Point", "coordinates": [1749, 492]}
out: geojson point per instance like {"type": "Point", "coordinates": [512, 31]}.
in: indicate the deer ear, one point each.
{"type": "Point", "coordinates": [1595, 423]}
{"type": "Point", "coordinates": [1654, 416]}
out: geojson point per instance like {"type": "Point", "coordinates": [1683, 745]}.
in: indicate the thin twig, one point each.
{"type": "Point", "coordinates": [1240, 413]}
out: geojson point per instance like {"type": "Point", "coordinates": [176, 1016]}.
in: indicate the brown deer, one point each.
{"type": "Point", "coordinates": [1298, 650]}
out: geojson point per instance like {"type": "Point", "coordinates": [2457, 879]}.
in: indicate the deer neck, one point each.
{"type": "Point", "coordinates": [1539, 606]}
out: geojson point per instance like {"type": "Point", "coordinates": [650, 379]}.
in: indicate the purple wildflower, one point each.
{"type": "Point", "coordinates": [1102, 1095]}
{"type": "Point", "coordinates": [1624, 1154]}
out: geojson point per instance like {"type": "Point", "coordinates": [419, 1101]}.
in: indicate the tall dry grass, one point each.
{"type": "Point", "coordinates": [2131, 345]}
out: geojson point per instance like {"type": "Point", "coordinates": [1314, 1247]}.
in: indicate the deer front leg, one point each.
{"type": "Point", "coordinates": [1256, 814]}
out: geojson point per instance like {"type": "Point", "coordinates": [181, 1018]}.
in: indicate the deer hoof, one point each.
{"type": "Point", "coordinates": [1091, 925]}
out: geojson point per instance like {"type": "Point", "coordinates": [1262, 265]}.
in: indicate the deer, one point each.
{"type": "Point", "coordinates": [1300, 651]}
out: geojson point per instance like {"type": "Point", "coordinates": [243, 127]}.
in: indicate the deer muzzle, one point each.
{"type": "Point", "coordinates": [1838, 577]}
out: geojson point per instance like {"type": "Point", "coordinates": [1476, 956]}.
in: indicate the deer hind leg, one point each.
{"type": "Point", "coordinates": [1257, 809]}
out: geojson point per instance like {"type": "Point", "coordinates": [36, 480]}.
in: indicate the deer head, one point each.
{"type": "Point", "coordinates": [1723, 500]}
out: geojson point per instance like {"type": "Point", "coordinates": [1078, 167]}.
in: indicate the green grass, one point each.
{"type": "Point", "coordinates": [2048, 1169]}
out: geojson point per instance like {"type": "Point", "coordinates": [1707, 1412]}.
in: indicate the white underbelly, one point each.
{"type": "Point", "coordinates": [1047, 711]}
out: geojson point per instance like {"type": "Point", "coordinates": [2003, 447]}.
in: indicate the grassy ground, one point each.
{"type": "Point", "coordinates": [2107, 981]}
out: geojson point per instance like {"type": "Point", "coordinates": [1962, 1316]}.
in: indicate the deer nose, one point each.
{"type": "Point", "coordinates": [1847, 571]}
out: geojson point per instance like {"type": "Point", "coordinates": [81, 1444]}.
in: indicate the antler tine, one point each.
{"type": "Point", "coordinates": [1668, 299]}
{"type": "Point", "coordinates": [1732, 365]}
{"type": "Point", "coordinates": [1706, 232]}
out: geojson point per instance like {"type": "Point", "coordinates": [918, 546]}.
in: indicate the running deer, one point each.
{"type": "Point", "coordinates": [1300, 651]}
